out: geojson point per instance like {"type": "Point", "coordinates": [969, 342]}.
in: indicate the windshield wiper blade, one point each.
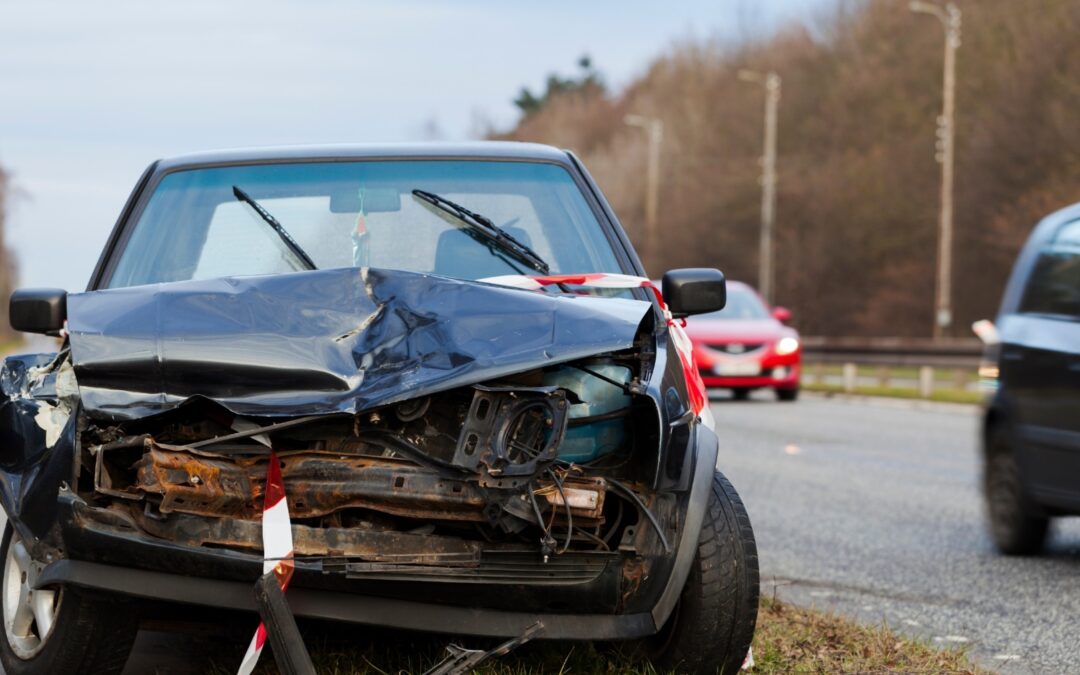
{"type": "Point", "coordinates": [490, 233]}
{"type": "Point", "coordinates": [270, 220]}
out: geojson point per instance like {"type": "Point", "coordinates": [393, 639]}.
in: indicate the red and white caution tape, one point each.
{"type": "Point", "coordinates": [694, 385]}
{"type": "Point", "coordinates": [589, 280]}
{"type": "Point", "coordinates": [748, 662]}
{"type": "Point", "coordinates": [277, 550]}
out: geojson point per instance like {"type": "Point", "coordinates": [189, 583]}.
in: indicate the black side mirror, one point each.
{"type": "Point", "coordinates": [694, 290]}
{"type": "Point", "coordinates": [38, 310]}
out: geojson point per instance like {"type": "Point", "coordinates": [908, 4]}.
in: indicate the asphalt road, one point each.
{"type": "Point", "coordinates": [872, 509]}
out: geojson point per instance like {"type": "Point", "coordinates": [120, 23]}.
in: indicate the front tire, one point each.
{"type": "Point", "coordinates": [713, 624]}
{"type": "Point", "coordinates": [787, 394]}
{"type": "Point", "coordinates": [1016, 525]}
{"type": "Point", "coordinates": [58, 631]}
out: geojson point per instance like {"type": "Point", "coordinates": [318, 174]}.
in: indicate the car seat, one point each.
{"type": "Point", "coordinates": [460, 256]}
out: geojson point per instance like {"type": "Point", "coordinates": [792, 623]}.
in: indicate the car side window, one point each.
{"type": "Point", "coordinates": [1054, 285]}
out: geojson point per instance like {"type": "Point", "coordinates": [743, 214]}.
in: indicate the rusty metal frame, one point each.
{"type": "Point", "coordinates": [318, 485]}
{"type": "Point", "coordinates": [382, 546]}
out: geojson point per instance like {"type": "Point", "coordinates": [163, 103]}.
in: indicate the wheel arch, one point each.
{"type": "Point", "coordinates": [996, 418]}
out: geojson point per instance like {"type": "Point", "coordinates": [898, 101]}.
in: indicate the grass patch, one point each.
{"type": "Point", "coordinates": [793, 639]}
{"type": "Point", "coordinates": [789, 639]}
{"type": "Point", "coordinates": [942, 375]}
{"type": "Point", "coordinates": [402, 654]}
{"type": "Point", "coordinates": [946, 395]}
{"type": "Point", "coordinates": [12, 346]}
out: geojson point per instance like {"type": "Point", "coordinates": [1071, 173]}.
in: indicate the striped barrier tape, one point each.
{"type": "Point", "coordinates": [277, 550]}
{"type": "Point", "coordinates": [694, 385]}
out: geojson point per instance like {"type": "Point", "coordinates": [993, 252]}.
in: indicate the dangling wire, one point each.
{"type": "Point", "coordinates": [644, 510]}
{"type": "Point", "coordinates": [548, 541]}
{"type": "Point", "coordinates": [569, 515]}
{"type": "Point", "coordinates": [593, 538]}
{"type": "Point", "coordinates": [615, 525]}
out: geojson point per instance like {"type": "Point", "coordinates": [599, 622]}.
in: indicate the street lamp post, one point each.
{"type": "Point", "coordinates": [771, 82]}
{"type": "Point", "coordinates": [654, 127]}
{"type": "Point", "coordinates": [949, 15]}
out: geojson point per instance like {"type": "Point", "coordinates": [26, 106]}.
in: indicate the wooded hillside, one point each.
{"type": "Point", "coordinates": [857, 205]}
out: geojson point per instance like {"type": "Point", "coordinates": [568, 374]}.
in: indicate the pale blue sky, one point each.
{"type": "Point", "coordinates": [91, 93]}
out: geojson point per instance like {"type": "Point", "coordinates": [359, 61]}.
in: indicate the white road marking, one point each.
{"type": "Point", "coordinates": [951, 638]}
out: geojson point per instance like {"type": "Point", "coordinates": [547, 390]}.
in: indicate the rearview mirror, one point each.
{"type": "Point", "coordinates": [781, 314]}
{"type": "Point", "coordinates": [38, 310]}
{"type": "Point", "coordinates": [366, 199]}
{"type": "Point", "coordinates": [694, 290]}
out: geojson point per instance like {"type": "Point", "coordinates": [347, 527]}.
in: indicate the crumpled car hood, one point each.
{"type": "Point", "coordinates": [321, 342]}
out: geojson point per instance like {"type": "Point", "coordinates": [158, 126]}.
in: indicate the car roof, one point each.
{"type": "Point", "coordinates": [499, 150]}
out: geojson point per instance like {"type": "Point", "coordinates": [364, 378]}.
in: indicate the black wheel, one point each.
{"type": "Point", "coordinates": [740, 394]}
{"type": "Point", "coordinates": [1017, 526]}
{"type": "Point", "coordinates": [787, 394]}
{"type": "Point", "coordinates": [58, 630]}
{"type": "Point", "coordinates": [712, 626]}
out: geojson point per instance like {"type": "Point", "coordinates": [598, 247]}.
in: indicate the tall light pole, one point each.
{"type": "Point", "coordinates": [949, 15]}
{"type": "Point", "coordinates": [771, 82]}
{"type": "Point", "coordinates": [654, 127]}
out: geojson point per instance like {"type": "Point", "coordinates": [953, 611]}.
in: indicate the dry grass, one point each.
{"type": "Point", "coordinates": [789, 639]}
{"type": "Point", "coordinates": [793, 639]}
{"type": "Point", "coordinates": [944, 395]}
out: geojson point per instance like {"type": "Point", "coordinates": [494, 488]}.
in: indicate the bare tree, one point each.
{"type": "Point", "coordinates": [857, 208]}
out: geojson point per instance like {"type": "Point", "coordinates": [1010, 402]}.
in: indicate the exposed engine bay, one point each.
{"type": "Point", "coordinates": [546, 462]}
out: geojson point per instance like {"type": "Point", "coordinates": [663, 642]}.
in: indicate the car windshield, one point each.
{"type": "Point", "coordinates": [742, 303]}
{"type": "Point", "coordinates": [364, 213]}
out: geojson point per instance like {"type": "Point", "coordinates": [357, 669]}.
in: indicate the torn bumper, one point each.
{"type": "Point", "coordinates": [335, 606]}
{"type": "Point", "coordinates": [577, 596]}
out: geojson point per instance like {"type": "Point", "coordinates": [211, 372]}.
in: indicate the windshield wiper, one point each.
{"type": "Point", "coordinates": [290, 243]}
{"type": "Point", "coordinates": [485, 231]}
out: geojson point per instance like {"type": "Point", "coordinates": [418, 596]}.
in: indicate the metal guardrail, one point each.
{"type": "Point", "coordinates": [915, 352]}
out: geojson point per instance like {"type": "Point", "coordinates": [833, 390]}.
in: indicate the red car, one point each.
{"type": "Point", "coordinates": [746, 346]}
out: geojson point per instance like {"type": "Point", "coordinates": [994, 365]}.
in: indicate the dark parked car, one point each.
{"type": "Point", "coordinates": [1032, 423]}
{"type": "Point", "coordinates": [480, 412]}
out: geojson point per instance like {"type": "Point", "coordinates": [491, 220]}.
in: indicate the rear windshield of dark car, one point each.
{"type": "Point", "coordinates": [1054, 286]}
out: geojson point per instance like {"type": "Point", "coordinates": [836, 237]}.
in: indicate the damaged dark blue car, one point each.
{"type": "Point", "coordinates": [484, 416]}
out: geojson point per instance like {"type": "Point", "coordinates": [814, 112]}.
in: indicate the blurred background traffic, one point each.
{"type": "Point", "coordinates": [668, 108]}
